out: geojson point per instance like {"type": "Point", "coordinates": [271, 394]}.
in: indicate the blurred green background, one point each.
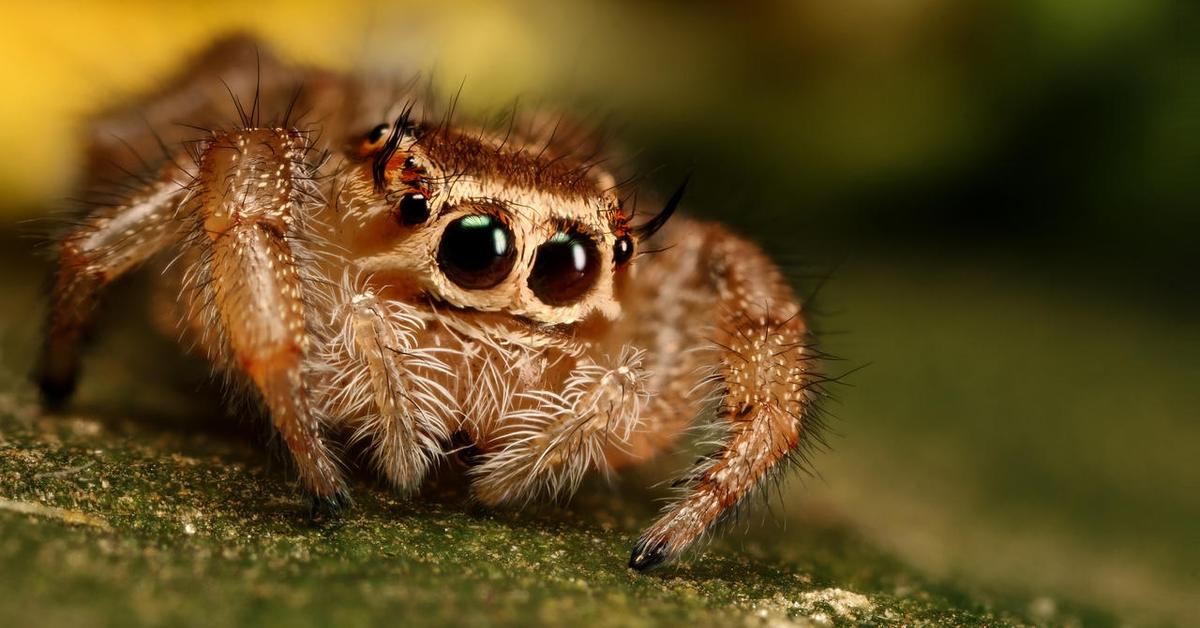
{"type": "Point", "coordinates": [1004, 195]}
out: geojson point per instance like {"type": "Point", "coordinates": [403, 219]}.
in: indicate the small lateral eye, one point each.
{"type": "Point", "coordinates": [622, 250]}
{"type": "Point", "coordinates": [376, 135]}
{"type": "Point", "coordinates": [565, 268]}
{"type": "Point", "coordinates": [413, 209]}
{"type": "Point", "coordinates": [477, 252]}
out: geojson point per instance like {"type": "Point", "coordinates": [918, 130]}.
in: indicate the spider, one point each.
{"type": "Point", "coordinates": [389, 278]}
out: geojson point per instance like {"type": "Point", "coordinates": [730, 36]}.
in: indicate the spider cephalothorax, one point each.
{"type": "Point", "coordinates": [477, 223]}
{"type": "Point", "coordinates": [429, 287]}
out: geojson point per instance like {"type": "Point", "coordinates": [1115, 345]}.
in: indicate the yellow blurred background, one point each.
{"type": "Point", "coordinates": [833, 94]}
{"type": "Point", "coordinates": [68, 60]}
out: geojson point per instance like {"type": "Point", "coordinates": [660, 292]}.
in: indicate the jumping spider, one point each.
{"type": "Point", "coordinates": [423, 286]}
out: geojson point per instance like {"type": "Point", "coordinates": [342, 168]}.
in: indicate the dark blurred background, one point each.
{"type": "Point", "coordinates": [1002, 194]}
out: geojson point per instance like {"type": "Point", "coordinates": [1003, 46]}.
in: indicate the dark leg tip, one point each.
{"type": "Point", "coordinates": [329, 507]}
{"type": "Point", "coordinates": [56, 391]}
{"type": "Point", "coordinates": [647, 556]}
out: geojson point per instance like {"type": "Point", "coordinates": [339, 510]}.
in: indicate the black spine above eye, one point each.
{"type": "Point", "coordinates": [565, 268]}
{"type": "Point", "coordinates": [477, 252]}
{"type": "Point", "coordinates": [394, 133]}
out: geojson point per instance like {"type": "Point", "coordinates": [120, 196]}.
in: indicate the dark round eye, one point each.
{"type": "Point", "coordinates": [378, 133]}
{"type": "Point", "coordinates": [413, 209]}
{"type": "Point", "coordinates": [622, 249]}
{"type": "Point", "coordinates": [565, 268]}
{"type": "Point", "coordinates": [477, 251]}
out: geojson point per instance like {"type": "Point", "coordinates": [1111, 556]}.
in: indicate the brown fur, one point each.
{"type": "Point", "coordinates": [300, 281]}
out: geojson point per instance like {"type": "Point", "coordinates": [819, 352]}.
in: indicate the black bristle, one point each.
{"type": "Point", "coordinates": [652, 226]}
{"type": "Point", "coordinates": [379, 165]}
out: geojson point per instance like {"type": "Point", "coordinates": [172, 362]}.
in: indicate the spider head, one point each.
{"type": "Point", "coordinates": [487, 223]}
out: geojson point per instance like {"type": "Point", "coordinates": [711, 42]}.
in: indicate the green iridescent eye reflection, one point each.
{"type": "Point", "coordinates": [477, 251]}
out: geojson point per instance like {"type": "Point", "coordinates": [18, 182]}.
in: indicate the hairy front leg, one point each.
{"type": "Point", "coordinates": [758, 363]}
{"type": "Point", "coordinates": [107, 244]}
{"type": "Point", "coordinates": [249, 228]}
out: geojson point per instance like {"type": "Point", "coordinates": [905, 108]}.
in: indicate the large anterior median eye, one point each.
{"type": "Point", "coordinates": [565, 268]}
{"type": "Point", "coordinates": [477, 251]}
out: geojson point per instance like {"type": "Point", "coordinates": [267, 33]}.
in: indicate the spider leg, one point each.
{"type": "Point", "coordinates": [670, 306]}
{"type": "Point", "coordinates": [249, 225]}
{"type": "Point", "coordinates": [107, 244]}
{"type": "Point", "coordinates": [757, 363]}
{"type": "Point", "coordinates": [117, 238]}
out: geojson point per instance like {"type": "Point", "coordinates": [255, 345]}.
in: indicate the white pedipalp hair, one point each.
{"type": "Point", "coordinates": [385, 386]}
{"type": "Point", "coordinates": [492, 366]}
{"type": "Point", "coordinates": [555, 438]}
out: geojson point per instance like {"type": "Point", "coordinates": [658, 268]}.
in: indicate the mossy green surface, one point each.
{"type": "Point", "coordinates": [116, 523]}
